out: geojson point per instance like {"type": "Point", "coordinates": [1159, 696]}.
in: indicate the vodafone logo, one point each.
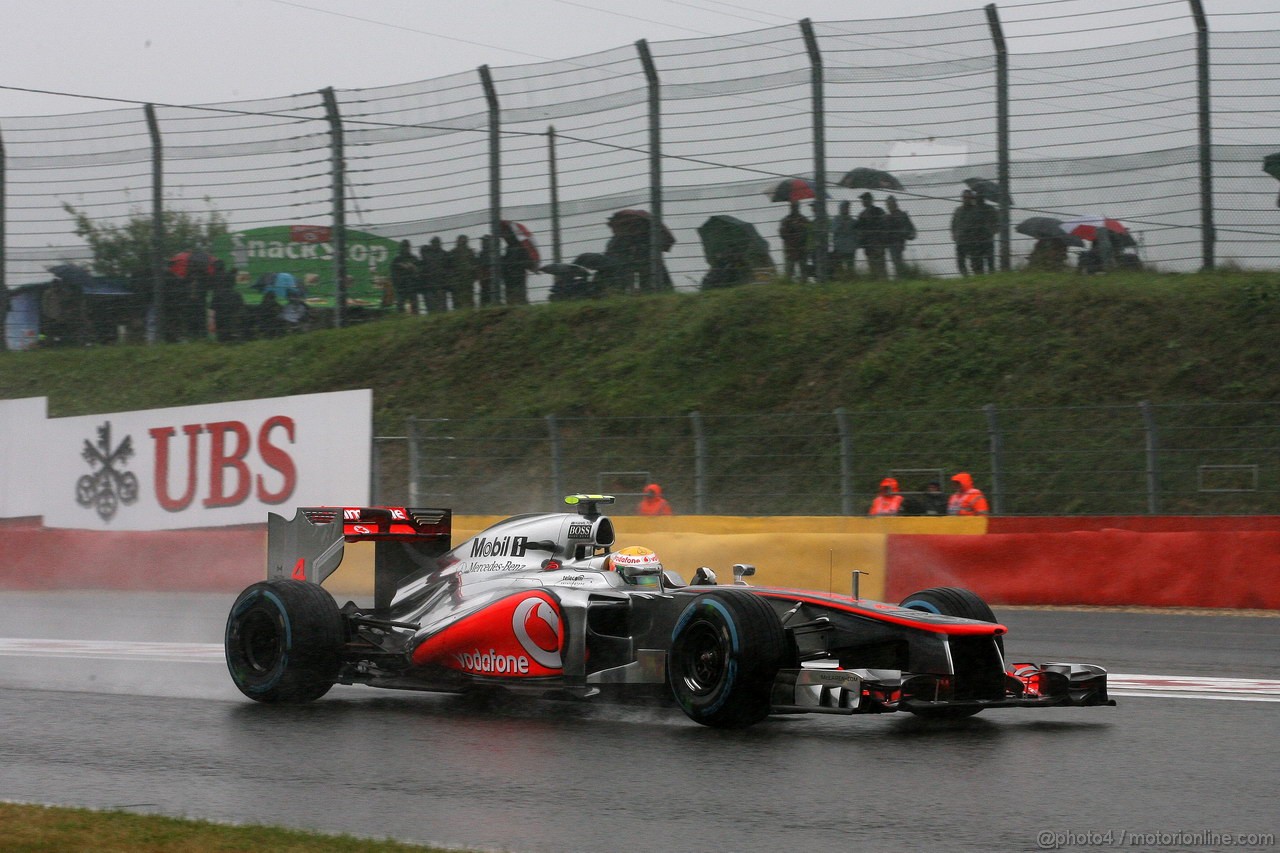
{"type": "Point", "coordinates": [537, 626]}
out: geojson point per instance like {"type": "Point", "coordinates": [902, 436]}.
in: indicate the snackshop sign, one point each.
{"type": "Point", "coordinates": [193, 466]}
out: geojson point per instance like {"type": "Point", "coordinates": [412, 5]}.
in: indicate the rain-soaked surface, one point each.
{"type": "Point", "coordinates": [164, 731]}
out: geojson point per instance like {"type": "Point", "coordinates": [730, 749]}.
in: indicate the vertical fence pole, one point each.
{"type": "Point", "coordinates": [554, 176]}
{"type": "Point", "coordinates": [494, 286]}
{"type": "Point", "coordinates": [1002, 132]}
{"type": "Point", "coordinates": [415, 461]}
{"type": "Point", "coordinates": [1208, 235]}
{"type": "Point", "coordinates": [339, 180]}
{"type": "Point", "coordinates": [157, 224]}
{"type": "Point", "coordinates": [996, 441]}
{"type": "Point", "coordinates": [846, 461]}
{"type": "Point", "coordinates": [557, 460]}
{"type": "Point", "coordinates": [817, 85]}
{"type": "Point", "coordinates": [699, 463]}
{"type": "Point", "coordinates": [4, 284]}
{"type": "Point", "coordinates": [1153, 457]}
{"type": "Point", "coordinates": [657, 280]}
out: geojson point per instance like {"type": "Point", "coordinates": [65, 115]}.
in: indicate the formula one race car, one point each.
{"type": "Point", "coordinates": [538, 604]}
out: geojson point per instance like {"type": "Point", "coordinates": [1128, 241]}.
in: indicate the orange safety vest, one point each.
{"type": "Point", "coordinates": [968, 502]}
{"type": "Point", "coordinates": [886, 505]}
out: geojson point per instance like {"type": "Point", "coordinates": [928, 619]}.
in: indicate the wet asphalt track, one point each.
{"type": "Point", "coordinates": [163, 731]}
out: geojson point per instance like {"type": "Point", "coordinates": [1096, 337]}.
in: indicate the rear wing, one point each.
{"type": "Point", "coordinates": [309, 546]}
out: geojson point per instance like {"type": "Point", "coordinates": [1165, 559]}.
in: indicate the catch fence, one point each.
{"type": "Point", "coordinates": [1166, 131]}
{"type": "Point", "coordinates": [1210, 459]}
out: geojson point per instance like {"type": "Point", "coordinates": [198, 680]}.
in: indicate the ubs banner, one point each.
{"type": "Point", "coordinates": [203, 466]}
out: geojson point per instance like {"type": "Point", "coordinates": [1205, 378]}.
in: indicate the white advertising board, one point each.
{"type": "Point", "coordinates": [206, 466]}
{"type": "Point", "coordinates": [21, 454]}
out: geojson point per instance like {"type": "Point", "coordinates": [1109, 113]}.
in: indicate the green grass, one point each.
{"type": "Point", "coordinates": [42, 829]}
{"type": "Point", "coordinates": [1020, 340]}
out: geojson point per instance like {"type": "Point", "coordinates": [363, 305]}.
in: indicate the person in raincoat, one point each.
{"type": "Point", "coordinates": [653, 503]}
{"type": "Point", "coordinates": [796, 232]}
{"type": "Point", "coordinates": [898, 229]}
{"type": "Point", "coordinates": [405, 276]}
{"type": "Point", "coordinates": [844, 242]}
{"type": "Point", "coordinates": [888, 501]}
{"type": "Point", "coordinates": [966, 499]}
{"type": "Point", "coordinates": [462, 269]}
{"type": "Point", "coordinates": [432, 262]}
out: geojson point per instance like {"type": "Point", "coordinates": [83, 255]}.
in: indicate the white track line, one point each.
{"type": "Point", "coordinates": [1118, 684]}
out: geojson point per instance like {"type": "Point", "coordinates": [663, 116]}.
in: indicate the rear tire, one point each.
{"type": "Point", "coordinates": [284, 641]}
{"type": "Point", "coordinates": [726, 650]}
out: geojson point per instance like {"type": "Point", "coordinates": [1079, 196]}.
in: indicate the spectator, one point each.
{"type": "Point", "coordinates": [796, 231]}
{"type": "Point", "coordinates": [515, 273]}
{"type": "Point", "coordinates": [1049, 254]}
{"type": "Point", "coordinates": [990, 225]}
{"type": "Point", "coordinates": [267, 321]}
{"type": "Point", "coordinates": [966, 500]}
{"type": "Point", "coordinates": [432, 260]}
{"type": "Point", "coordinates": [888, 501]}
{"type": "Point", "coordinates": [490, 290]}
{"type": "Point", "coordinates": [872, 235]}
{"type": "Point", "coordinates": [461, 274]}
{"type": "Point", "coordinates": [969, 231]}
{"type": "Point", "coordinates": [230, 317]}
{"type": "Point", "coordinates": [844, 242]}
{"type": "Point", "coordinates": [898, 229]}
{"type": "Point", "coordinates": [933, 501]}
{"type": "Point", "coordinates": [653, 503]}
{"type": "Point", "coordinates": [404, 279]}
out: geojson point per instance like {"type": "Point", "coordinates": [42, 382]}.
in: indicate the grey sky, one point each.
{"type": "Point", "coordinates": [208, 51]}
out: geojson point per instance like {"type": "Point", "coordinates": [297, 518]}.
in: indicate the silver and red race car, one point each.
{"type": "Point", "coordinates": [539, 605]}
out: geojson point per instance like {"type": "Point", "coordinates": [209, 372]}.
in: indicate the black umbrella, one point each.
{"type": "Point", "coordinates": [724, 236]}
{"type": "Point", "coordinates": [1271, 165]}
{"type": "Point", "coordinates": [870, 179]}
{"type": "Point", "coordinates": [73, 274]}
{"type": "Point", "coordinates": [988, 190]}
{"type": "Point", "coordinates": [593, 261]}
{"type": "Point", "coordinates": [1047, 228]}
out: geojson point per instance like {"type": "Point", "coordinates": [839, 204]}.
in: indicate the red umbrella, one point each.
{"type": "Point", "coordinates": [1086, 226]}
{"type": "Point", "coordinates": [194, 262]}
{"type": "Point", "coordinates": [792, 189]}
{"type": "Point", "coordinates": [516, 232]}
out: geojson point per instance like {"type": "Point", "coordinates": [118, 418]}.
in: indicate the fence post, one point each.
{"type": "Point", "coordinates": [415, 461]}
{"type": "Point", "coordinates": [657, 281]}
{"type": "Point", "coordinates": [997, 458]}
{"type": "Point", "coordinates": [1002, 132]}
{"type": "Point", "coordinates": [846, 461]}
{"type": "Point", "coordinates": [1208, 235]}
{"type": "Point", "coordinates": [339, 179]}
{"type": "Point", "coordinates": [816, 84]}
{"type": "Point", "coordinates": [157, 224]}
{"type": "Point", "coordinates": [4, 285]}
{"type": "Point", "coordinates": [553, 436]}
{"type": "Point", "coordinates": [699, 464]}
{"type": "Point", "coordinates": [1153, 457]}
{"type": "Point", "coordinates": [554, 177]}
{"type": "Point", "coordinates": [494, 287]}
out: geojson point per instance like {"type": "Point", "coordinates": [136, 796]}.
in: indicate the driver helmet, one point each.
{"type": "Point", "coordinates": [634, 555]}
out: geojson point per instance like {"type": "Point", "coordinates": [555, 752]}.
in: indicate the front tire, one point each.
{"type": "Point", "coordinates": [284, 641]}
{"type": "Point", "coordinates": [726, 650]}
{"type": "Point", "coordinates": [951, 601]}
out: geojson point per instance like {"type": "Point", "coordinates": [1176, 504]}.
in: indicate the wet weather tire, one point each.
{"type": "Point", "coordinates": [726, 649]}
{"type": "Point", "coordinates": [951, 601]}
{"type": "Point", "coordinates": [284, 641]}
